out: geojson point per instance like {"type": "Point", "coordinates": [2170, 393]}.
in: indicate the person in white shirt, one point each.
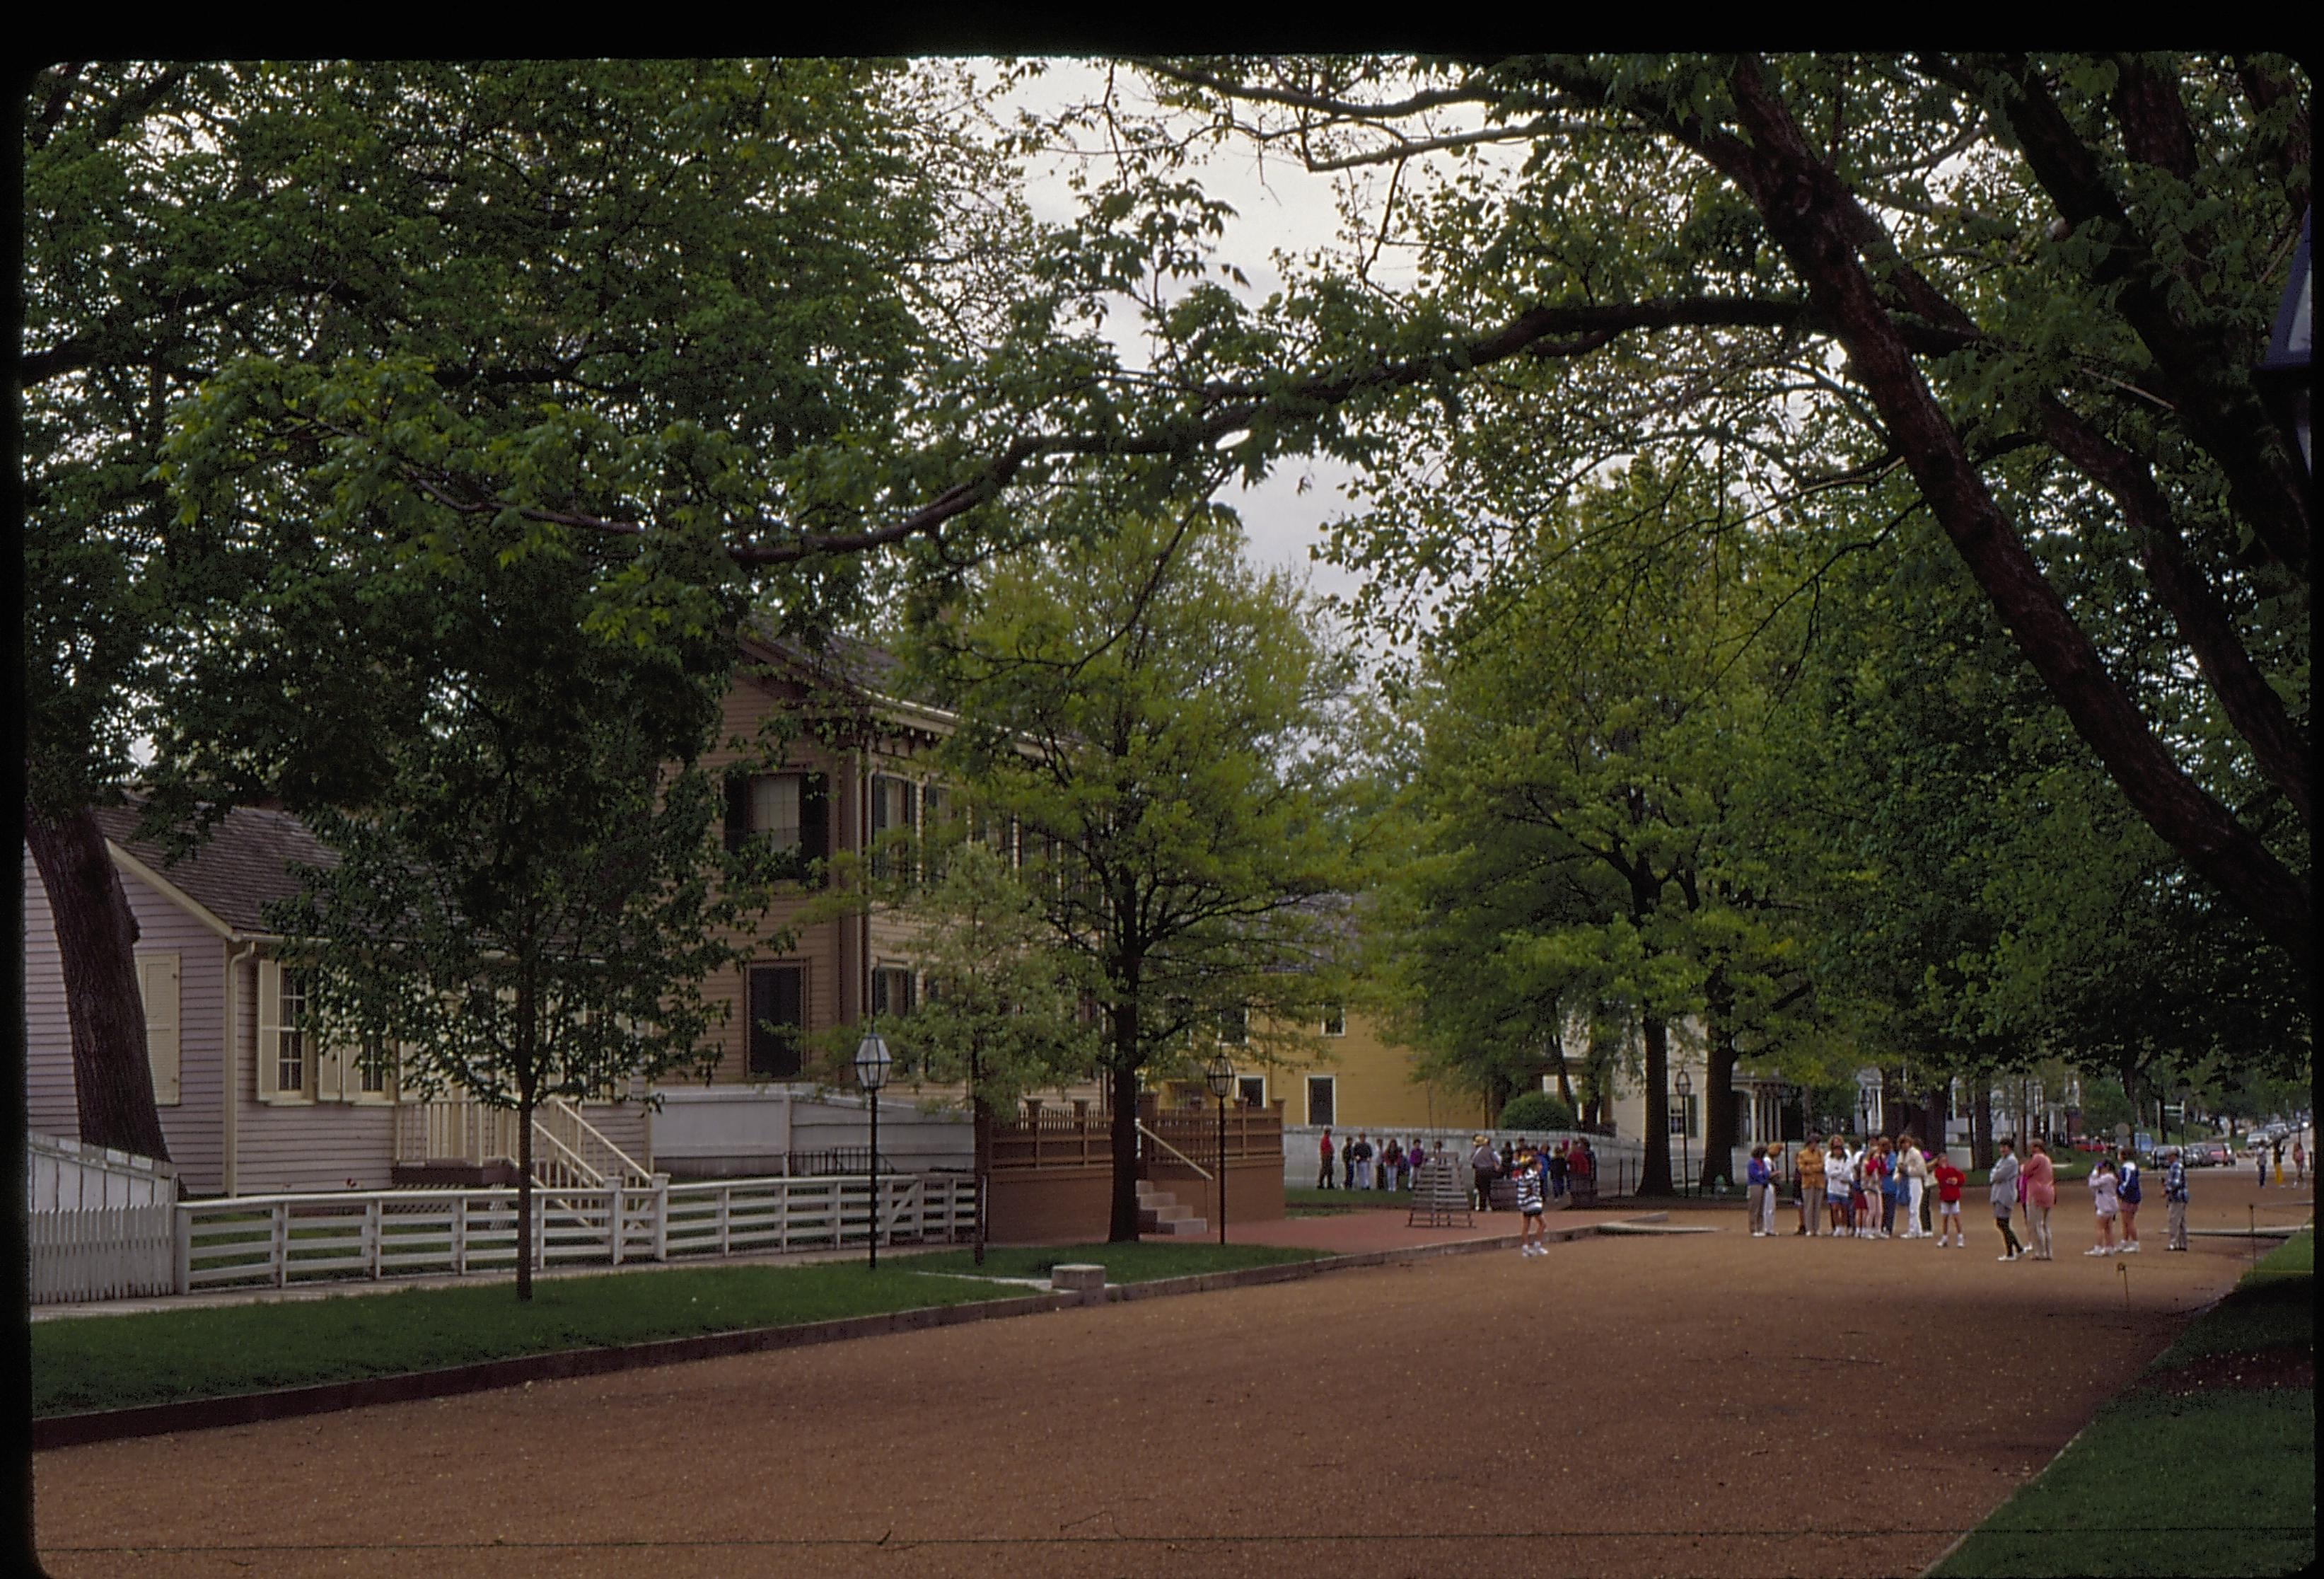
{"type": "Point", "coordinates": [1915, 1166]}
{"type": "Point", "coordinates": [2103, 1202]}
{"type": "Point", "coordinates": [1839, 1169]}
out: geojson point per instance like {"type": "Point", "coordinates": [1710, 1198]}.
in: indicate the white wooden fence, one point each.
{"type": "Point", "coordinates": [281, 1239]}
{"type": "Point", "coordinates": [106, 1252]}
{"type": "Point", "coordinates": [65, 1175]}
{"type": "Point", "coordinates": [98, 1221]}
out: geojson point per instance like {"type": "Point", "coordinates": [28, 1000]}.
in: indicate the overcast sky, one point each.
{"type": "Point", "coordinates": [1278, 209]}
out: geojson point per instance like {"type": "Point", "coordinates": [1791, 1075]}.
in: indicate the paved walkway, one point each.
{"type": "Point", "coordinates": [1649, 1405]}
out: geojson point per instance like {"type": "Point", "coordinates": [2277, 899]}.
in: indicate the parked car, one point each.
{"type": "Point", "coordinates": [2086, 1143]}
{"type": "Point", "coordinates": [2216, 1154]}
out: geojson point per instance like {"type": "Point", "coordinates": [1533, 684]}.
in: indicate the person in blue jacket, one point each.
{"type": "Point", "coordinates": [2125, 1191]}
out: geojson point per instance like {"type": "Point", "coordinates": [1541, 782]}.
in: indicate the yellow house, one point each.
{"type": "Point", "coordinates": [1355, 1079]}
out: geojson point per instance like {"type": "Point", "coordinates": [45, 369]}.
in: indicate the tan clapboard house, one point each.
{"type": "Point", "coordinates": [251, 1104]}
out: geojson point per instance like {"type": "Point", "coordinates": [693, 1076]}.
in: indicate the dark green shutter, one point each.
{"type": "Point", "coordinates": [738, 808]}
{"type": "Point", "coordinates": [815, 824]}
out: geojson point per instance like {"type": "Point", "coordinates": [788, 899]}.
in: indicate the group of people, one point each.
{"type": "Point", "coordinates": [1863, 1191]}
{"type": "Point", "coordinates": [1356, 1156]}
{"type": "Point", "coordinates": [1557, 1167]}
{"type": "Point", "coordinates": [1355, 1163]}
{"type": "Point", "coordinates": [1868, 1192]}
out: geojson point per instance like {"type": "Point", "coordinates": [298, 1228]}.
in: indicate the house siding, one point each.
{"type": "Point", "coordinates": [189, 1125]}
{"type": "Point", "coordinates": [287, 1147]}
{"type": "Point", "coordinates": [50, 1108]}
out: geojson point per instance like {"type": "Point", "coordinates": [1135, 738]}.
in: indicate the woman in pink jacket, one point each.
{"type": "Point", "coordinates": [2039, 1179]}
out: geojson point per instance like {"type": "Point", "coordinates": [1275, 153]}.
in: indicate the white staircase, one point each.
{"type": "Point", "coordinates": [1159, 1214]}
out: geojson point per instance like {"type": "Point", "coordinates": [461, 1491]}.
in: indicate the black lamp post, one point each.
{"type": "Point", "coordinates": [1222, 1077]}
{"type": "Point", "coordinates": [1684, 1084]}
{"type": "Point", "coordinates": [871, 1066]}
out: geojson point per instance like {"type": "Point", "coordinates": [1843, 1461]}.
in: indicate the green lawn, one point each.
{"type": "Point", "coordinates": [117, 1362]}
{"type": "Point", "coordinates": [2218, 1481]}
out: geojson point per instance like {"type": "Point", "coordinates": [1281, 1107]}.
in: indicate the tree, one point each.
{"type": "Point", "coordinates": [1150, 711]}
{"type": "Point", "coordinates": [1597, 740]}
{"type": "Point", "coordinates": [526, 902]}
{"type": "Point", "coordinates": [997, 1011]}
{"type": "Point", "coordinates": [746, 263]}
{"type": "Point", "coordinates": [2023, 291]}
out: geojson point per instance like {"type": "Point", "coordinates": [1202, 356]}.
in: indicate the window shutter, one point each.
{"type": "Point", "coordinates": [815, 819]}
{"type": "Point", "coordinates": [157, 985]}
{"type": "Point", "coordinates": [738, 808]}
{"type": "Point", "coordinates": [269, 1024]}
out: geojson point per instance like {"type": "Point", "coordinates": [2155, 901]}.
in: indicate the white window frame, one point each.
{"type": "Point", "coordinates": [1332, 1080]}
{"type": "Point", "coordinates": [274, 1036]}
{"type": "Point", "coordinates": [765, 793]}
{"type": "Point", "coordinates": [1335, 1021]}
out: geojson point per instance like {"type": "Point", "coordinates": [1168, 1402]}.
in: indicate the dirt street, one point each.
{"type": "Point", "coordinates": [1654, 1405]}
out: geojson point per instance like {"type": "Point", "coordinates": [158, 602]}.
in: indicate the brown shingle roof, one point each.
{"type": "Point", "coordinates": [241, 867]}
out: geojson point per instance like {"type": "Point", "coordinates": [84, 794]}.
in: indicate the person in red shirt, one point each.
{"type": "Point", "coordinates": [1949, 1180]}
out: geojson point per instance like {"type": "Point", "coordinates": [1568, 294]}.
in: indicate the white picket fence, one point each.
{"type": "Point", "coordinates": [106, 1252]}
{"type": "Point", "coordinates": [281, 1239]}
{"type": "Point", "coordinates": [65, 1175]}
{"type": "Point", "coordinates": [98, 1221]}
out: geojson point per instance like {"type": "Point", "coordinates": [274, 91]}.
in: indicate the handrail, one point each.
{"type": "Point", "coordinates": [572, 1159]}
{"type": "Point", "coordinates": [1173, 1150]}
{"type": "Point", "coordinates": [636, 1171]}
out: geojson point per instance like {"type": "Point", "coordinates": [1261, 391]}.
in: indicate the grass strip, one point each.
{"type": "Point", "coordinates": [2217, 1480]}
{"type": "Point", "coordinates": [1142, 1262]}
{"type": "Point", "coordinates": [121, 1361]}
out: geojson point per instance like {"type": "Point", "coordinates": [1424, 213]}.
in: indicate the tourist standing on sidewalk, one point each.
{"type": "Point", "coordinates": [2038, 1178]}
{"type": "Point", "coordinates": [2127, 1192]}
{"type": "Point", "coordinates": [1347, 1162]}
{"type": "Point", "coordinates": [1485, 1164]}
{"type": "Point", "coordinates": [1811, 1173]}
{"type": "Point", "coordinates": [2174, 1201]}
{"type": "Point", "coordinates": [1949, 1180]}
{"type": "Point", "coordinates": [1914, 1167]}
{"type": "Point", "coordinates": [1323, 1179]}
{"type": "Point", "coordinates": [1755, 1179]}
{"type": "Point", "coordinates": [1557, 1164]}
{"type": "Point", "coordinates": [2105, 1204]}
{"type": "Point", "coordinates": [2300, 1163]}
{"type": "Point", "coordinates": [2001, 1189]}
{"type": "Point", "coordinates": [1879, 1186]}
{"type": "Point", "coordinates": [1392, 1175]}
{"type": "Point", "coordinates": [1838, 1184]}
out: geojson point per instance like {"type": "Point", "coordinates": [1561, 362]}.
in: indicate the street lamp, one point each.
{"type": "Point", "coordinates": [871, 1066]}
{"type": "Point", "coordinates": [1684, 1083]}
{"type": "Point", "coordinates": [1222, 1077]}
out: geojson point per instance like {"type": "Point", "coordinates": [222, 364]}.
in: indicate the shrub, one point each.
{"type": "Point", "coordinates": [1535, 1109]}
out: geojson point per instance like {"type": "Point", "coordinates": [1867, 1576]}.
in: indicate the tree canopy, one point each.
{"type": "Point", "coordinates": [1146, 708]}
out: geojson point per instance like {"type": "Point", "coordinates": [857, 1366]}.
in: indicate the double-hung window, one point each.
{"type": "Point", "coordinates": [895, 813]}
{"type": "Point", "coordinates": [789, 813]}
{"type": "Point", "coordinates": [777, 1002]}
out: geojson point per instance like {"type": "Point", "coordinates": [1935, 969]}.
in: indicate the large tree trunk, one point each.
{"type": "Point", "coordinates": [1122, 1227]}
{"type": "Point", "coordinates": [1980, 1125]}
{"type": "Point", "coordinates": [1815, 219]}
{"type": "Point", "coordinates": [97, 943]}
{"type": "Point", "coordinates": [1655, 1177]}
{"type": "Point", "coordinates": [1564, 1075]}
{"type": "Point", "coordinates": [981, 1128]}
{"type": "Point", "coordinates": [1718, 1103]}
{"type": "Point", "coordinates": [524, 1198]}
